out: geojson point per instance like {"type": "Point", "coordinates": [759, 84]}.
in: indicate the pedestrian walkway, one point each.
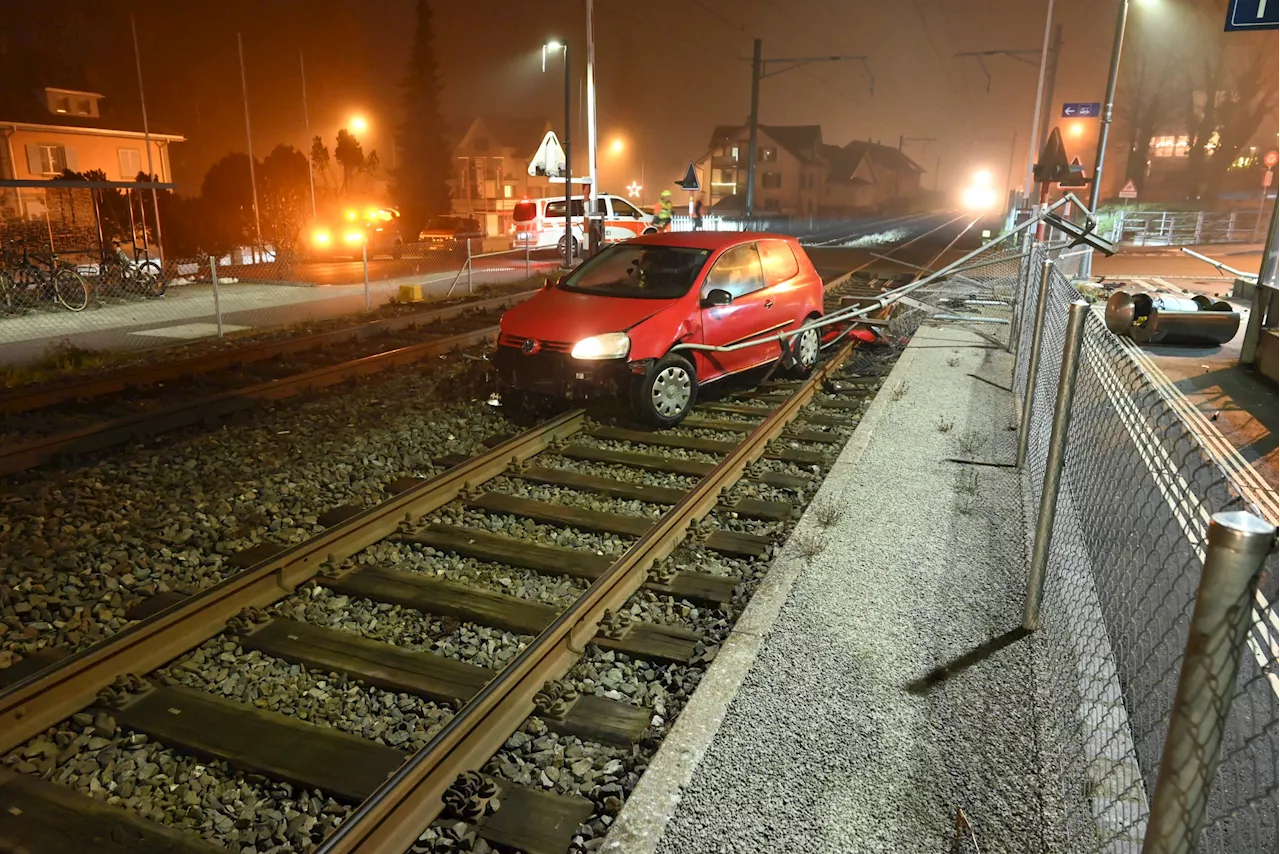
{"type": "Point", "coordinates": [188, 312]}
{"type": "Point", "coordinates": [871, 691]}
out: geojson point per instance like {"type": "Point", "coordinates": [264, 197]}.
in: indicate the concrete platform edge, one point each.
{"type": "Point", "coordinates": [640, 826]}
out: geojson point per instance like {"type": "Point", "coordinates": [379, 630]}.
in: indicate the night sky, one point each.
{"type": "Point", "coordinates": [667, 70]}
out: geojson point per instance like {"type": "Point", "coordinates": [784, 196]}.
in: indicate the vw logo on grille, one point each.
{"type": "Point", "coordinates": [530, 346]}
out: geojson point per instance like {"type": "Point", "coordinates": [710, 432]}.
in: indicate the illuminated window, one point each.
{"type": "Point", "coordinates": [64, 105]}
{"type": "Point", "coordinates": [733, 152]}
{"type": "Point", "coordinates": [1170, 146]}
{"type": "Point", "coordinates": [508, 191]}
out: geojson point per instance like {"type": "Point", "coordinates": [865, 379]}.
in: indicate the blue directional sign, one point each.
{"type": "Point", "coordinates": [1252, 15]}
{"type": "Point", "coordinates": [1089, 110]}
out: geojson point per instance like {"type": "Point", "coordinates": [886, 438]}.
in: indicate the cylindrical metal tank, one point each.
{"type": "Point", "coordinates": [1127, 308]}
{"type": "Point", "coordinates": [1188, 328]}
{"type": "Point", "coordinates": [1119, 313]}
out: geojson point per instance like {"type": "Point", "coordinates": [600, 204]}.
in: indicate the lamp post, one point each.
{"type": "Point", "coordinates": [568, 160]}
{"type": "Point", "coordinates": [1122, 17]}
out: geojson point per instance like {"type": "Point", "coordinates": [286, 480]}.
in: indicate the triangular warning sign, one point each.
{"type": "Point", "coordinates": [690, 181]}
{"type": "Point", "coordinates": [1052, 164]}
{"type": "Point", "coordinates": [549, 161]}
{"type": "Point", "coordinates": [1129, 190]}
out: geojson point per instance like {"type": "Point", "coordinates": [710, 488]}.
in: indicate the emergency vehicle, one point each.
{"type": "Point", "coordinates": [539, 223]}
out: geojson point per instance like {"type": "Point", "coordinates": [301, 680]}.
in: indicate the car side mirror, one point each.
{"type": "Point", "coordinates": [551, 283]}
{"type": "Point", "coordinates": [717, 297]}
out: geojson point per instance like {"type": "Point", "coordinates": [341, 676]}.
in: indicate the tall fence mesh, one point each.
{"type": "Point", "coordinates": [1128, 547]}
{"type": "Point", "coordinates": [72, 276]}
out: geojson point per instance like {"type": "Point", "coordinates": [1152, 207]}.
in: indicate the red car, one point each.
{"type": "Point", "coordinates": [614, 325]}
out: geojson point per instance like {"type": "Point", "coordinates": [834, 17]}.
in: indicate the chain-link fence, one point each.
{"type": "Point", "coordinates": [70, 279]}
{"type": "Point", "coordinates": [1128, 543]}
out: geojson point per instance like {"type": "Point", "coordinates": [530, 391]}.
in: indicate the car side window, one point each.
{"type": "Point", "coordinates": [625, 210]}
{"type": "Point", "coordinates": [737, 271]}
{"type": "Point", "coordinates": [779, 262]}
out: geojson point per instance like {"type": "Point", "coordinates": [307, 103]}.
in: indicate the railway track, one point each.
{"type": "Point", "coordinates": [81, 416]}
{"type": "Point", "coordinates": [652, 540]}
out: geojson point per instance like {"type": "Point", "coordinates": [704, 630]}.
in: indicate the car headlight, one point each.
{"type": "Point", "coordinates": [320, 237]}
{"type": "Point", "coordinates": [354, 237]}
{"type": "Point", "coordinates": [611, 345]}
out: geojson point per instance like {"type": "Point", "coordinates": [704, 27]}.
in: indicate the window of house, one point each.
{"type": "Point", "coordinates": [64, 105]}
{"type": "Point", "coordinates": [733, 152]}
{"type": "Point", "coordinates": [84, 107]}
{"type": "Point", "coordinates": [130, 163]}
{"type": "Point", "coordinates": [1170, 146]}
{"type": "Point", "coordinates": [771, 180]}
{"type": "Point", "coordinates": [737, 271]}
{"type": "Point", "coordinates": [53, 159]}
{"type": "Point", "coordinates": [719, 152]}
{"type": "Point", "coordinates": [508, 191]}
{"type": "Point", "coordinates": [767, 155]}
{"type": "Point", "coordinates": [726, 177]}
{"type": "Point", "coordinates": [773, 204]}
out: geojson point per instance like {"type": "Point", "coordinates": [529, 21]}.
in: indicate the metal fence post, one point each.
{"type": "Point", "coordinates": [217, 297]}
{"type": "Point", "coordinates": [1076, 314]}
{"type": "Point", "coordinates": [1238, 543]}
{"type": "Point", "coordinates": [470, 288]}
{"type": "Point", "coordinates": [364, 259]}
{"type": "Point", "coordinates": [1033, 361]}
{"type": "Point", "coordinates": [1019, 291]}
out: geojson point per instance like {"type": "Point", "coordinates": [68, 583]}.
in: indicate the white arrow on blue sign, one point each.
{"type": "Point", "coordinates": [1252, 15]}
{"type": "Point", "coordinates": [1088, 110]}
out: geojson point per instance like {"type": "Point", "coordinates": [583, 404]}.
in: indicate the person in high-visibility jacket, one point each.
{"type": "Point", "coordinates": [662, 211]}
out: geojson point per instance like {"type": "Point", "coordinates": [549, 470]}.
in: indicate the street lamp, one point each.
{"type": "Point", "coordinates": [617, 146]}
{"type": "Point", "coordinates": [553, 46]}
{"type": "Point", "coordinates": [358, 124]}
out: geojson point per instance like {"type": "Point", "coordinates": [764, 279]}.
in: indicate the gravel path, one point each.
{"type": "Point", "coordinates": [824, 748]}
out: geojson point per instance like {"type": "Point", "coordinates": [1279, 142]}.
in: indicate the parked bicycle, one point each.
{"type": "Point", "coordinates": [27, 279]}
{"type": "Point", "coordinates": [118, 273]}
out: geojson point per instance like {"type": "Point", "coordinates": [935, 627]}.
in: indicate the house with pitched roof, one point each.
{"type": "Point", "coordinates": [492, 169]}
{"type": "Point", "coordinates": [867, 176]}
{"type": "Point", "coordinates": [798, 175]}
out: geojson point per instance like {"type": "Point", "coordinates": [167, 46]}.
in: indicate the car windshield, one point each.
{"type": "Point", "coordinates": [638, 272]}
{"type": "Point", "coordinates": [444, 223]}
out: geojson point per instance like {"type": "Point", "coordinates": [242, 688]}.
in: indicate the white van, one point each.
{"type": "Point", "coordinates": [539, 223]}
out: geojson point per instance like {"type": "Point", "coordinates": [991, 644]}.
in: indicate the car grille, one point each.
{"type": "Point", "coordinates": [518, 342]}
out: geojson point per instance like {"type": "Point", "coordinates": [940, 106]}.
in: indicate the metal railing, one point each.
{"type": "Point", "coordinates": [1186, 228]}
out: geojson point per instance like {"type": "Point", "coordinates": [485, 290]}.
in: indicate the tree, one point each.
{"type": "Point", "coordinates": [372, 164]}
{"type": "Point", "coordinates": [1233, 88]}
{"type": "Point", "coordinates": [421, 186]}
{"type": "Point", "coordinates": [227, 200]}
{"type": "Point", "coordinates": [284, 195]}
{"type": "Point", "coordinates": [320, 161]}
{"type": "Point", "coordinates": [350, 156]}
{"type": "Point", "coordinates": [1149, 98]}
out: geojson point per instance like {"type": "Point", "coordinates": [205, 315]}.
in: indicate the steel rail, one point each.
{"type": "Point", "coordinates": [27, 398]}
{"type": "Point", "coordinates": [393, 818]}
{"type": "Point", "coordinates": [42, 699]}
{"type": "Point", "coordinates": [27, 455]}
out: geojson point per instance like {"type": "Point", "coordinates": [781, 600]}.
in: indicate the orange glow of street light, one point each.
{"type": "Point", "coordinates": [1077, 129]}
{"type": "Point", "coordinates": [617, 146]}
{"type": "Point", "coordinates": [358, 124]}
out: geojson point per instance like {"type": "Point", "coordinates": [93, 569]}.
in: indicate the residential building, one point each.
{"type": "Point", "coordinates": [789, 169]}
{"type": "Point", "coordinates": [800, 176]}
{"type": "Point", "coordinates": [867, 176]}
{"type": "Point", "coordinates": [49, 130]}
{"type": "Point", "coordinates": [492, 171]}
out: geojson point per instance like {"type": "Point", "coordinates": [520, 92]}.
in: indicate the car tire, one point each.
{"type": "Point", "coordinates": [577, 249]}
{"type": "Point", "coordinates": [805, 350]}
{"type": "Point", "coordinates": [666, 393]}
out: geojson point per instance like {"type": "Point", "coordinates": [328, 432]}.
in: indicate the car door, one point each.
{"type": "Point", "coordinates": [625, 222]}
{"type": "Point", "coordinates": [783, 281]}
{"type": "Point", "coordinates": [738, 272]}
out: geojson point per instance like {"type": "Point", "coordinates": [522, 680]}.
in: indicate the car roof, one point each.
{"type": "Point", "coordinates": [712, 240]}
